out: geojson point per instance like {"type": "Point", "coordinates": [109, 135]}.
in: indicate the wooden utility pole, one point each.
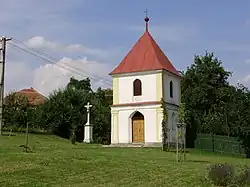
{"type": "Point", "coordinates": [3, 41]}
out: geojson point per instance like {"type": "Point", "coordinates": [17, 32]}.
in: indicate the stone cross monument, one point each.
{"type": "Point", "coordinates": [88, 128]}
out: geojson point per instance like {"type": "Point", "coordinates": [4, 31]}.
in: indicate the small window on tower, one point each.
{"type": "Point", "coordinates": [171, 89]}
{"type": "Point", "coordinates": [137, 87]}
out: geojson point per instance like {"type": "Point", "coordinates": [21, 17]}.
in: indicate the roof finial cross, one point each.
{"type": "Point", "coordinates": [146, 19]}
{"type": "Point", "coordinates": [146, 12]}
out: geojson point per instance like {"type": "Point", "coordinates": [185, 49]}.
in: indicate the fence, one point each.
{"type": "Point", "coordinates": [222, 144]}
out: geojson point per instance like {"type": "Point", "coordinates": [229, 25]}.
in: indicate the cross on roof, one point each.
{"type": "Point", "coordinates": [146, 12]}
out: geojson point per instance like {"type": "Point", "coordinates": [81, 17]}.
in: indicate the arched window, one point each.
{"type": "Point", "coordinates": [137, 87]}
{"type": "Point", "coordinates": [171, 89]}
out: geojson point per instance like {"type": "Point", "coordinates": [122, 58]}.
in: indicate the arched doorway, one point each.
{"type": "Point", "coordinates": [138, 128]}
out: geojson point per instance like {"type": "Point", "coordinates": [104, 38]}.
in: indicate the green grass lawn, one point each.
{"type": "Point", "coordinates": [56, 162]}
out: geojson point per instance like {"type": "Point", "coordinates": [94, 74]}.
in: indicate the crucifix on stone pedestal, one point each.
{"type": "Point", "coordinates": [88, 128]}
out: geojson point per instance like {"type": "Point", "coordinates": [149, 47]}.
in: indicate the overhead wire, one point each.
{"type": "Point", "coordinates": [67, 67]}
{"type": "Point", "coordinates": [47, 55]}
{"type": "Point", "coordinates": [48, 58]}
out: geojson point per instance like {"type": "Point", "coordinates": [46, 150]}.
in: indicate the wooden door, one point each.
{"type": "Point", "coordinates": [138, 130]}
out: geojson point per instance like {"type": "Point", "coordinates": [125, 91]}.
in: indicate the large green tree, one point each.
{"type": "Point", "coordinates": [64, 112]}
{"type": "Point", "coordinates": [17, 110]}
{"type": "Point", "coordinates": [201, 86]}
{"type": "Point", "coordinates": [242, 117]}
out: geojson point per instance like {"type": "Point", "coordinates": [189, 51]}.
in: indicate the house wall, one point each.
{"type": "Point", "coordinates": [172, 120]}
{"type": "Point", "coordinates": [154, 86]}
{"type": "Point", "coordinates": [123, 88]}
{"type": "Point", "coordinates": [167, 77]}
{"type": "Point", "coordinates": [121, 130]}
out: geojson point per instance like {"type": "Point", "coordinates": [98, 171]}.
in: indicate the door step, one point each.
{"type": "Point", "coordinates": [125, 145]}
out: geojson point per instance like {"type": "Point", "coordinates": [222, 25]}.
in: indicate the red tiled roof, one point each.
{"type": "Point", "coordinates": [33, 96]}
{"type": "Point", "coordinates": [145, 55]}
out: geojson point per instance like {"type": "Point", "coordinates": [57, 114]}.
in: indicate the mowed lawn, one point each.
{"type": "Point", "coordinates": [56, 162]}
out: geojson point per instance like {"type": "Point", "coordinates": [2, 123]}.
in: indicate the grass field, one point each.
{"type": "Point", "coordinates": [56, 162]}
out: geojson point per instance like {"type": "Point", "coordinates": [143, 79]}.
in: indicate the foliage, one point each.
{"type": "Point", "coordinates": [27, 149]}
{"type": "Point", "coordinates": [243, 178]}
{"type": "Point", "coordinates": [221, 174]}
{"type": "Point", "coordinates": [23, 130]}
{"type": "Point", "coordinates": [182, 113]}
{"type": "Point", "coordinates": [209, 104]}
{"type": "Point", "coordinates": [17, 110]}
{"type": "Point", "coordinates": [225, 175]}
{"type": "Point", "coordinates": [83, 84]}
{"type": "Point", "coordinates": [101, 115]}
{"type": "Point", "coordinates": [164, 123]}
{"type": "Point", "coordinates": [201, 86]}
{"type": "Point", "coordinates": [73, 138]}
{"type": "Point", "coordinates": [64, 113]}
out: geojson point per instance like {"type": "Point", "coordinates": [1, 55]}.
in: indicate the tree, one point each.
{"type": "Point", "coordinates": [102, 115]}
{"type": "Point", "coordinates": [17, 110]}
{"type": "Point", "coordinates": [65, 113]}
{"type": "Point", "coordinates": [242, 116]}
{"type": "Point", "coordinates": [83, 84]}
{"type": "Point", "coordinates": [200, 89]}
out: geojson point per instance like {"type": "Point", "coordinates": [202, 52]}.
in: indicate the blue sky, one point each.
{"type": "Point", "coordinates": [104, 31]}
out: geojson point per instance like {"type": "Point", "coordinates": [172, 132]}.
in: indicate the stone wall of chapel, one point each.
{"type": "Point", "coordinates": [124, 89]}
{"type": "Point", "coordinates": [176, 82]}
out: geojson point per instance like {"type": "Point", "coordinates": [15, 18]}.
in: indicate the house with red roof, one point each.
{"type": "Point", "coordinates": [34, 97]}
{"type": "Point", "coordinates": [140, 81]}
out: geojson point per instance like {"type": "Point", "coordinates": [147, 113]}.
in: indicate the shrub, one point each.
{"type": "Point", "coordinates": [243, 178]}
{"type": "Point", "coordinates": [23, 130]}
{"type": "Point", "coordinates": [73, 138]}
{"type": "Point", "coordinates": [221, 174]}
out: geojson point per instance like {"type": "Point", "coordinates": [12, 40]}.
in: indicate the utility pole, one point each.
{"type": "Point", "coordinates": [3, 41]}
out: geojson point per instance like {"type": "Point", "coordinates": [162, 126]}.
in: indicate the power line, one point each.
{"type": "Point", "coordinates": [33, 49]}
{"type": "Point", "coordinates": [49, 56]}
{"type": "Point", "coordinates": [53, 61]}
{"type": "Point", "coordinates": [3, 41]}
{"type": "Point", "coordinates": [41, 51]}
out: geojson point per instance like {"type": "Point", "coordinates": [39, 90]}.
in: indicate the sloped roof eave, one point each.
{"type": "Point", "coordinates": [145, 45]}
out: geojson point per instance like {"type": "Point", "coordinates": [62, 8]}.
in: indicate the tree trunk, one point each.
{"type": "Point", "coordinates": [247, 153]}
{"type": "Point", "coordinates": [213, 141]}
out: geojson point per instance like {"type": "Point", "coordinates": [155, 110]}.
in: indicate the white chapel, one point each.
{"type": "Point", "coordinates": [140, 81]}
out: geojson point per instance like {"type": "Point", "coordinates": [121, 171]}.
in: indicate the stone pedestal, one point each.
{"type": "Point", "coordinates": [88, 133]}
{"type": "Point", "coordinates": [88, 128]}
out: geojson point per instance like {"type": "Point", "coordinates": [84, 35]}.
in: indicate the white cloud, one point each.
{"type": "Point", "coordinates": [53, 76]}
{"type": "Point", "coordinates": [40, 42]}
{"type": "Point", "coordinates": [18, 75]}
{"type": "Point", "coordinates": [247, 78]}
{"type": "Point", "coordinates": [244, 79]}
{"type": "Point", "coordinates": [49, 77]}
{"type": "Point", "coordinates": [52, 29]}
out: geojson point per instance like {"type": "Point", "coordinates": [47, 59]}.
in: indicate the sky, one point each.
{"type": "Point", "coordinates": [89, 38]}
